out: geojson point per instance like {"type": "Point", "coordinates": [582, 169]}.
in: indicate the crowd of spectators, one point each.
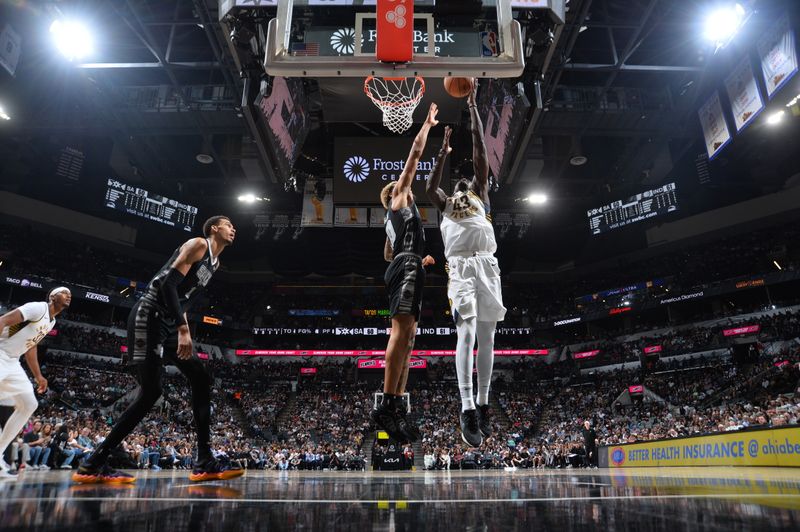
{"type": "Point", "coordinates": [324, 426]}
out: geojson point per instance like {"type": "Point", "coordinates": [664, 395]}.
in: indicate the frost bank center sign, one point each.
{"type": "Point", "coordinates": [363, 166]}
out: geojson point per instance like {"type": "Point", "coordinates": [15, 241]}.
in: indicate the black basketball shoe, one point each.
{"type": "Point", "coordinates": [470, 432]}
{"type": "Point", "coordinates": [484, 420]}
{"type": "Point", "coordinates": [102, 474]}
{"type": "Point", "coordinates": [387, 420]}
{"type": "Point", "coordinates": [213, 469]}
{"type": "Point", "coordinates": [408, 428]}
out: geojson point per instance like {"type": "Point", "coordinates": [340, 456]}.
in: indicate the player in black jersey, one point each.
{"type": "Point", "coordinates": [405, 279]}
{"type": "Point", "coordinates": [157, 335]}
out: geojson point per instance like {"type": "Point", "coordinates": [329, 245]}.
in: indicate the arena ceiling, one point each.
{"type": "Point", "coordinates": [620, 85]}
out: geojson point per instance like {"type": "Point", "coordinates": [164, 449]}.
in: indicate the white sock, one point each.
{"type": "Point", "coordinates": [24, 406]}
{"type": "Point", "coordinates": [485, 335]}
{"type": "Point", "coordinates": [464, 360]}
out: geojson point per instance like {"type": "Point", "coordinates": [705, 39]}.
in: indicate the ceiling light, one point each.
{"type": "Point", "coordinates": [3, 114]}
{"type": "Point", "coordinates": [204, 158]}
{"type": "Point", "coordinates": [578, 160]}
{"type": "Point", "coordinates": [251, 198]}
{"type": "Point", "coordinates": [72, 39]}
{"type": "Point", "coordinates": [775, 262]}
{"type": "Point", "coordinates": [723, 23]}
{"type": "Point", "coordinates": [537, 198]}
{"type": "Point", "coordinates": [775, 117]}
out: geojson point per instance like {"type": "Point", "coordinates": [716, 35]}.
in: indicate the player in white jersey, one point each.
{"type": "Point", "coordinates": [474, 288]}
{"type": "Point", "coordinates": [20, 331]}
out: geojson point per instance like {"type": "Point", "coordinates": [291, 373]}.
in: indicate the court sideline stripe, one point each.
{"type": "Point", "coordinates": [422, 501]}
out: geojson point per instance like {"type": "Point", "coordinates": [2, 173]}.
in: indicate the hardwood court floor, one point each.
{"type": "Point", "coordinates": [651, 499]}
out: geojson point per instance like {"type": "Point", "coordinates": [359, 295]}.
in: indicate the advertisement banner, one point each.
{"type": "Point", "coordinates": [317, 203]}
{"type": "Point", "coordinates": [202, 356]}
{"type": "Point", "coordinates": [619, 310]}
{"type": "Point", "coordinates": [372, 353]}
{"type": "Point", "coordinates": [743, 94]}
{"type": "Point", "coordinates": [340, 40]}
{"type": "Point", "coordinates": [767, 447]}
{"type": "Point", "coordinates": [566, 321]}
{"type": "Point", "coordinates": [715, 128]}
{"type": "Point", "coordinates": [778, 55]}
{"type": "Point", "coordinates": [374, 331]}
{"type": "Point", "coordinates": [380, 363]}
{"type": "Point", "coordinates": [652, 349]}
{"type": "Point", "coordinates": [636, 389]}
{"type": "Point", "coordinates": [351, 217]}
{"type": "Point", "coordinates": [308, 371]}
{"type": "Point", "coordinates": [94, 296]}
{"type": "Point", "coordinates": [748, 329]}
{"type": "Point", "coordinates": [586, 354]}
{"type": "Point", "coordinates": [313, 312]}
{"type": "Point", "coordinates": [363, 166]}
{"type": "Point", "coordinates": [25, 282]}
{"type": "Point", "coordinates": [683, 297]}
{"type": "Point", "coordinates": [750, 283]}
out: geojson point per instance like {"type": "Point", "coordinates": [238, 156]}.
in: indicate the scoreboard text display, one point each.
{"type": "Point", "coordinates": [140, 202]}
{"type": "Point", "coordinates": [648, 204]}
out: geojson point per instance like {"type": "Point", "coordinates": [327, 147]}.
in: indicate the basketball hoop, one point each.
{"type": "Point", "coordinates": [396, 98]}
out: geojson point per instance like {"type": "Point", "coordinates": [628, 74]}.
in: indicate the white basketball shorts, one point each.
{"type": "Point", "coordinates": [13, 379]}
{"type": "Point", "coordinates": [474, 287]}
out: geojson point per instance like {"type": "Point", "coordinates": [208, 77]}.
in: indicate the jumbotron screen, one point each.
{"type": "Point", "coordinates": [648, 204]}
{"type": "Point", "coordinates": [141, 202]}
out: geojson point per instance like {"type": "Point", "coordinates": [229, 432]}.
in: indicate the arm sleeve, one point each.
{"type": "Point", "coordinates": [169, 289]}
{"type": "Point", "coordinates": [33, 311]}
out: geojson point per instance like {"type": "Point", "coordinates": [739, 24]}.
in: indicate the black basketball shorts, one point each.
{"type": "Point", "coordinates": [405, 281]}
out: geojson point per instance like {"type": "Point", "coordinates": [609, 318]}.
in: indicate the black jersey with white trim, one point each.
{"type": "Point", "coordinates": [405, 231]}
{"type": "Point", "coordinates": [192, 284]}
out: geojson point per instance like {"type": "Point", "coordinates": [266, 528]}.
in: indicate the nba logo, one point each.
{"type": "Point", "coordinates": [488, 44]}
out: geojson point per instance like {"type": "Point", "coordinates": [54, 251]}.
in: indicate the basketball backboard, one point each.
{"type": "Point", "coordinates": [337, 38]}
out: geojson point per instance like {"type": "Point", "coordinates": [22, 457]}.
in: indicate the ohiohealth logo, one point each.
{"type": "Point", "coordinates": [356, 169]}
{"type": "Point", "coordinates": [618, 456]}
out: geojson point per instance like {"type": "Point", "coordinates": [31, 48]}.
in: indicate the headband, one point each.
{"type": "Point", "coordinates": [57, 290]}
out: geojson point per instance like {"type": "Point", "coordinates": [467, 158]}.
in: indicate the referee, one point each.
{"type": "Point", "coordinates": [590, 443]}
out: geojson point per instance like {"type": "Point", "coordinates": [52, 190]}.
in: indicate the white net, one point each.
{"type": "Point", "coordinates": [396, 98]}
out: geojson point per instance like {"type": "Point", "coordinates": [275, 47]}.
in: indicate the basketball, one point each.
{"type": "Point", "coordinates": [458, 87]}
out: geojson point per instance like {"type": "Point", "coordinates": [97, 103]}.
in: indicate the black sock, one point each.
{"type": "Point", "coordinates": [389, 400]}
{"type": "Point", "coordinates": [149, 378]}
{"type": "Point", "coordinates": [200, 384]}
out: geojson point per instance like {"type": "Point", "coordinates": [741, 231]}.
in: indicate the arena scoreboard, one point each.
{"type": "Point", "coordinates": [648, 204]}
{"type": "Point", "coordinates": [140, 202]}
